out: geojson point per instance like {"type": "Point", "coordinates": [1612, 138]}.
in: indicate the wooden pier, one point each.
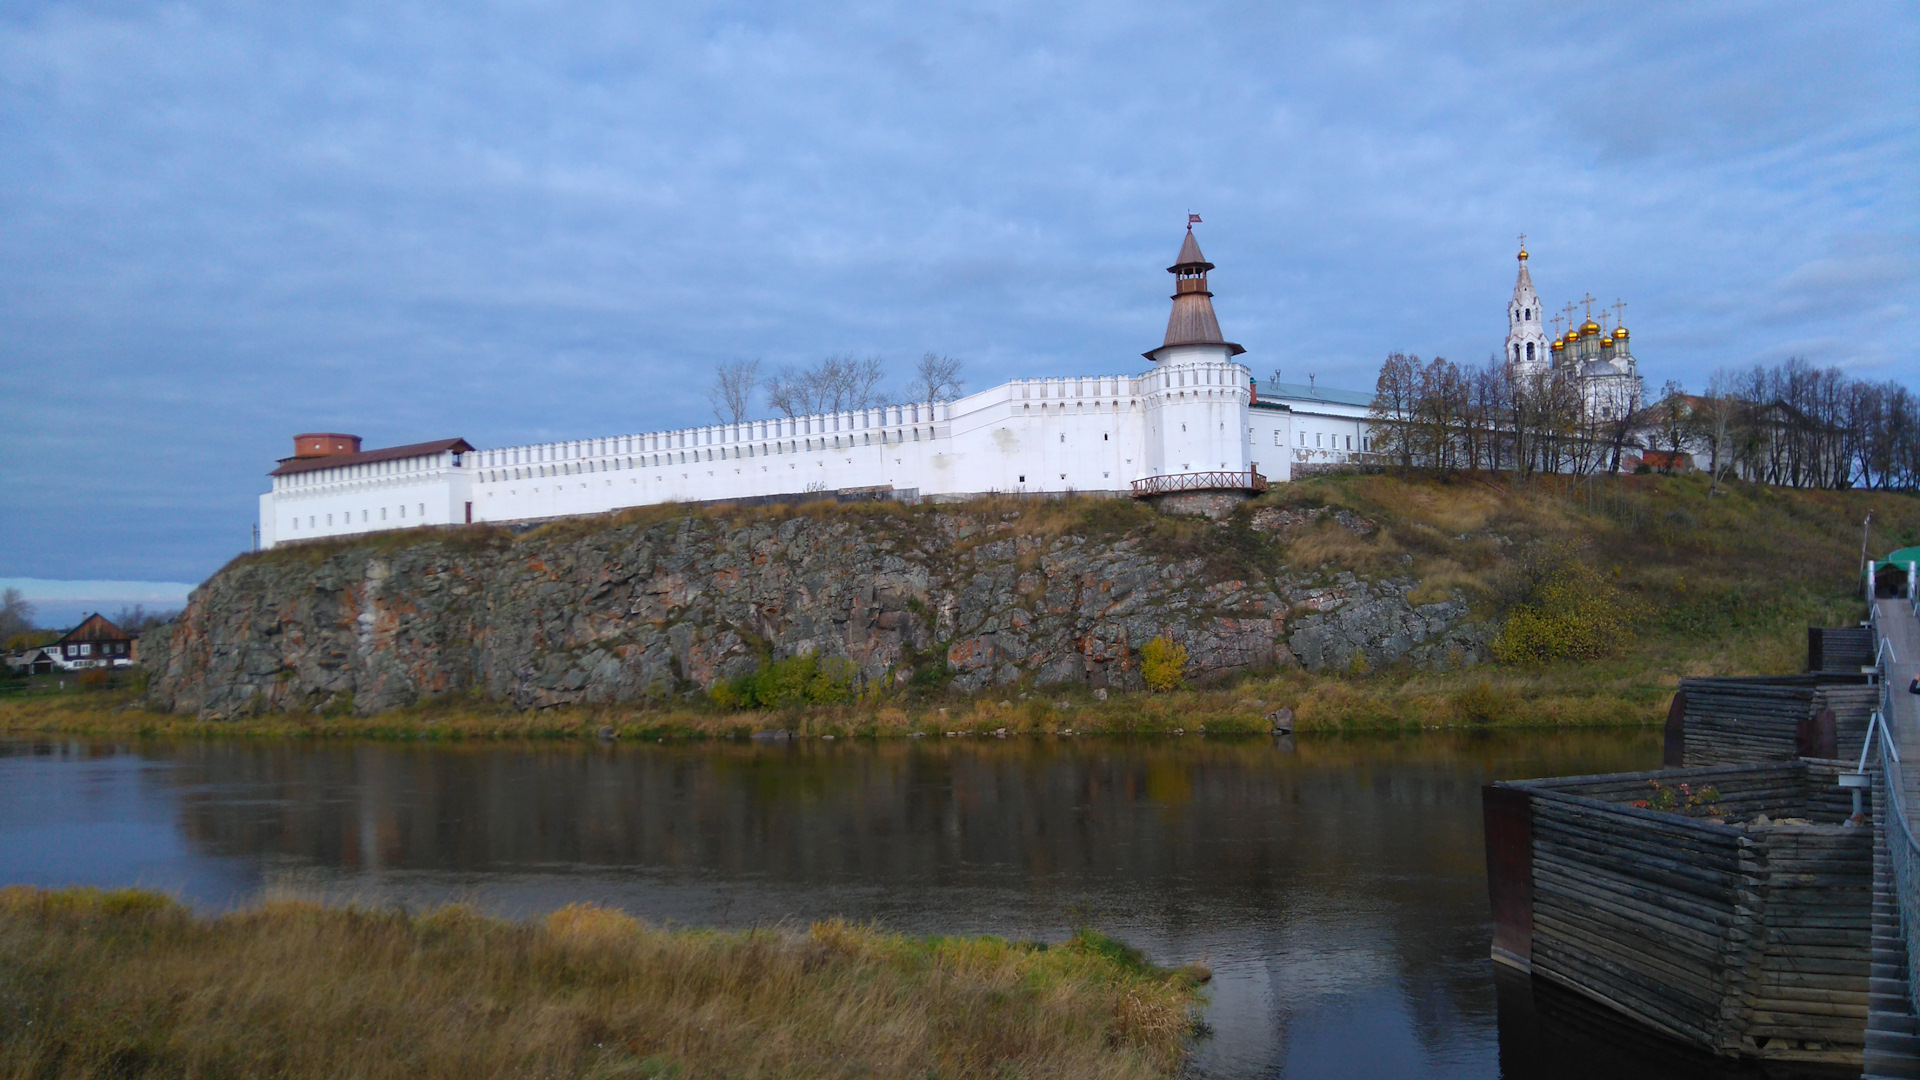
{"type": "Point", "coordinates": [1734, 901]}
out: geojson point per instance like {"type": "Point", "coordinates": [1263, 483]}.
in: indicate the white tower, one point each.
{"type": "Point", "coordinates": [1527, 346]}
{"type": "Point", "coordinates": [1197, 396]}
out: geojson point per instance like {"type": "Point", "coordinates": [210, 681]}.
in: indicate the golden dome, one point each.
{"type": "Point", "coordinates": [1591, 327]}
{"type": "Point", "coordinates": [1606, 342]}
{"type": "Point", "coordinates": [1523, 253]}
{"type": "Point", "coordinates": [1559, 345]}
{"type": "Point", "coordinates": [1620, 331]}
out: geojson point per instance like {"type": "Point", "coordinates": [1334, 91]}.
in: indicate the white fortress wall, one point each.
{"type": "Point", "coordinates": [366, 497]}
{"type": "Point", "coordinates": [1189, 414]}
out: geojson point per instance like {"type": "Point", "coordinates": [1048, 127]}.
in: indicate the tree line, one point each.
{"type": "Point", "coordinates": [1438, 414]}
{"type": "Point", "coordinates": [1790, 424]}
{"type": "Point", "coordinates": [838, 383]}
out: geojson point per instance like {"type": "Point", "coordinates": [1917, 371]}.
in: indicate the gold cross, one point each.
{"type": "Point", "coordinates": [1523, 241]}
{"type": "Point", "coordinates": [1556, 326]}
{"type": "Point", "coordinates": [1618, 304]}
{"type": "Point", "coordinates": [1588, 300]}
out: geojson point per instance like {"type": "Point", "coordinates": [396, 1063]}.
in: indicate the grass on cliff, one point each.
{"type": "Point", "coordinates": [131, 983]}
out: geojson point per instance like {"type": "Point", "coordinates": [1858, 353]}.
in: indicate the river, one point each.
{"type": "Point", "coordinates": [1336, 886]}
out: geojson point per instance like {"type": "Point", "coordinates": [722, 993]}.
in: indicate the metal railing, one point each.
{"type": "Point", "coordinates": [1215, 480]}
{"type": "Point", "coordinates": [1903, 849]}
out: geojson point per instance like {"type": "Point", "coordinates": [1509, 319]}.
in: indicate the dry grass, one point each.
{"type": "Point", "coordinates": [1723, 586]}
{"type": "Point", "coordinates": [131, 984]}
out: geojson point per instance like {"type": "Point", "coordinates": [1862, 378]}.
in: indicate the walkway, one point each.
{"type": "Point", "coordinates": [1893, 1033]}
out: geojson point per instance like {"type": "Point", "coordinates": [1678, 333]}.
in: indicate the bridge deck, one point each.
{"type": "Point", "coordinates": [1893, 1031]}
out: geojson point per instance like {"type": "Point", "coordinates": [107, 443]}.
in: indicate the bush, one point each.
{"type": "Point", "coordinates": [1570, 613]}
{"type": "Point", "coordinates": [795, 681]}
{"type": "Point", "coordinates": [1163, 663]}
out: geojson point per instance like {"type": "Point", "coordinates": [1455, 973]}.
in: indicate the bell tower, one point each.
{"type": "Point", "coordinates": [1527, 346]}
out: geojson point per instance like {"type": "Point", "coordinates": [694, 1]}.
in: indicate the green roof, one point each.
{"type": "Point", "coordinates": [1903, 556]}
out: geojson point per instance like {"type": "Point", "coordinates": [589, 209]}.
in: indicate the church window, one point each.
{"type": "Point", "coordinates": [1103, 438]}
{"type": "Point", "coordinates": [1529, 350]}
{"type": "Point", "coordinates": [1349, 442]}
{"type": "Point", "coordinates": [1063, 437]}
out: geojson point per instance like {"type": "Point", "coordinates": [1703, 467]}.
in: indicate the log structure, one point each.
{"type": "Point", "coordinates": [1727, 721]}
{"type": "Point", "coordinates": [1839, 649]}
{"type": "Point", "coordinates": [1745, 933]}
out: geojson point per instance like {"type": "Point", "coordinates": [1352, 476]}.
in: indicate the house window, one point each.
{"type": "Point", "coordinates": [86, 650]}
{"type": "Point", "coordinates": [1023, 478]}
{"type": "Point", "coordinates": [1349, 442]}
{"type": "Point", "coordinates": [329, 521]}
{"type": "Point", "coordinates": [383, 513]}
{"type": "Point", "coordinates": [1316, 438]}
{"type": "Point", "coordinates": [1303, 438]}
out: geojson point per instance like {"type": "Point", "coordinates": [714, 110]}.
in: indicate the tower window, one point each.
{"type": "Point", "coordinates": [1529, 350]}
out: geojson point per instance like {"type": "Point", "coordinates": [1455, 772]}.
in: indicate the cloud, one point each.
{"type": "Point", "coordinates": [509, 222]}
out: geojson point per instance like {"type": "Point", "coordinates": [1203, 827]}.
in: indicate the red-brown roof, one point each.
{"type": "Point", "coordinates": [1666, 459]}
{"type": "Point", "coordinates": [95, 628]}
{"type": "Point", "coordinates": [289, 466]}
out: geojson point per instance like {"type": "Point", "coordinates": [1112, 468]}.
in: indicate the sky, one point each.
{"type": "Point", "coordinates": [222, 224]}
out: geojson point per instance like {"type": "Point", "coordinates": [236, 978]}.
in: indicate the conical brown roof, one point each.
{"type": "Point", "coordinates": [1192, 321]}
{"type": "Point", "coordinates": [1189, 255]}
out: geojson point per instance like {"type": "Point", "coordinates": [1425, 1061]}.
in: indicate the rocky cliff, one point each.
{"type": "Point", "coordinates": [652, 608]}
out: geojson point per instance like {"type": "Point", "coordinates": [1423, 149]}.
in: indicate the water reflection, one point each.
{"type": "Point", "coordinates": [1336, 886]}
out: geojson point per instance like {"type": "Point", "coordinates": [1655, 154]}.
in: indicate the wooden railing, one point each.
{"type": "Point", "coordinates": [1216, 480]}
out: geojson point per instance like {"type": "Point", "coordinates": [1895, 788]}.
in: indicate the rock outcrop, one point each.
{"type": "Point", "coordinates": [630, 612]}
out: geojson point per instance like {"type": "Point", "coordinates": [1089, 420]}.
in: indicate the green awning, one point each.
{"type": "Point", "coordinates": [1904, 556]}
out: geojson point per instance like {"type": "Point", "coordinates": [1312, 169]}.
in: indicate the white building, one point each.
{"type": "Point", "coordinates": [1185, 424]}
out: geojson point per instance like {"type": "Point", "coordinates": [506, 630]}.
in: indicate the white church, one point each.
{"type": "Point", "coordinates": [1194, 423]}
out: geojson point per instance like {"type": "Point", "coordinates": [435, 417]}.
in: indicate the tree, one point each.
{"type": "Point", "coordinates": [1396, 404]}
{"type": "Point", "coordinates": [839, 383]}
{"type": "Point", "coordinates": [936, 378]}
{"type": "Point", "coordinates": [137, 620]}
{"type": "Point", "coordinates": [16, 614]}
{"type": "Point", "coordinates": [732, 391]}
{"type": "Point", "coordinates": [1713, 424]}
{"type": "Point", "coordinates": [1673, 420]}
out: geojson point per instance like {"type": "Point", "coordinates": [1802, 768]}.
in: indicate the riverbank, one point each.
{"type": "Point", "coordinates": [1624, 691]}
{"type": "Point", "coordinates": [130, 982]}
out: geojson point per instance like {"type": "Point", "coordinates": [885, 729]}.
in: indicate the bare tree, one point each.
{"type": "Point", "coordinates": [937, 378]}
{"type": "Point", "coordinates": [16, 614]}
{"type": "Point", "coordinates": [1673, 419]}
{"type": "Point", "coordinates": [1395, 408]}
{"type": "Point", "coordinates": [1714, 424]}
{"type": "Point", "coordinates": [732, 391]}
{"type": "Point", "coordinates": [137, 620]}
{"type": "Point", "coordinates": [838, 383]}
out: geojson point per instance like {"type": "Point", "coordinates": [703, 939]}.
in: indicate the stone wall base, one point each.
{"type": "Point", "coordinates": [1210, 504]}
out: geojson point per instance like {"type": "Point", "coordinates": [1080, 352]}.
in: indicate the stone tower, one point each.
{"type": "Point", "coordinates": [1527, 346]}
{"type": "Point", "coordinates": [1197, 394]}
